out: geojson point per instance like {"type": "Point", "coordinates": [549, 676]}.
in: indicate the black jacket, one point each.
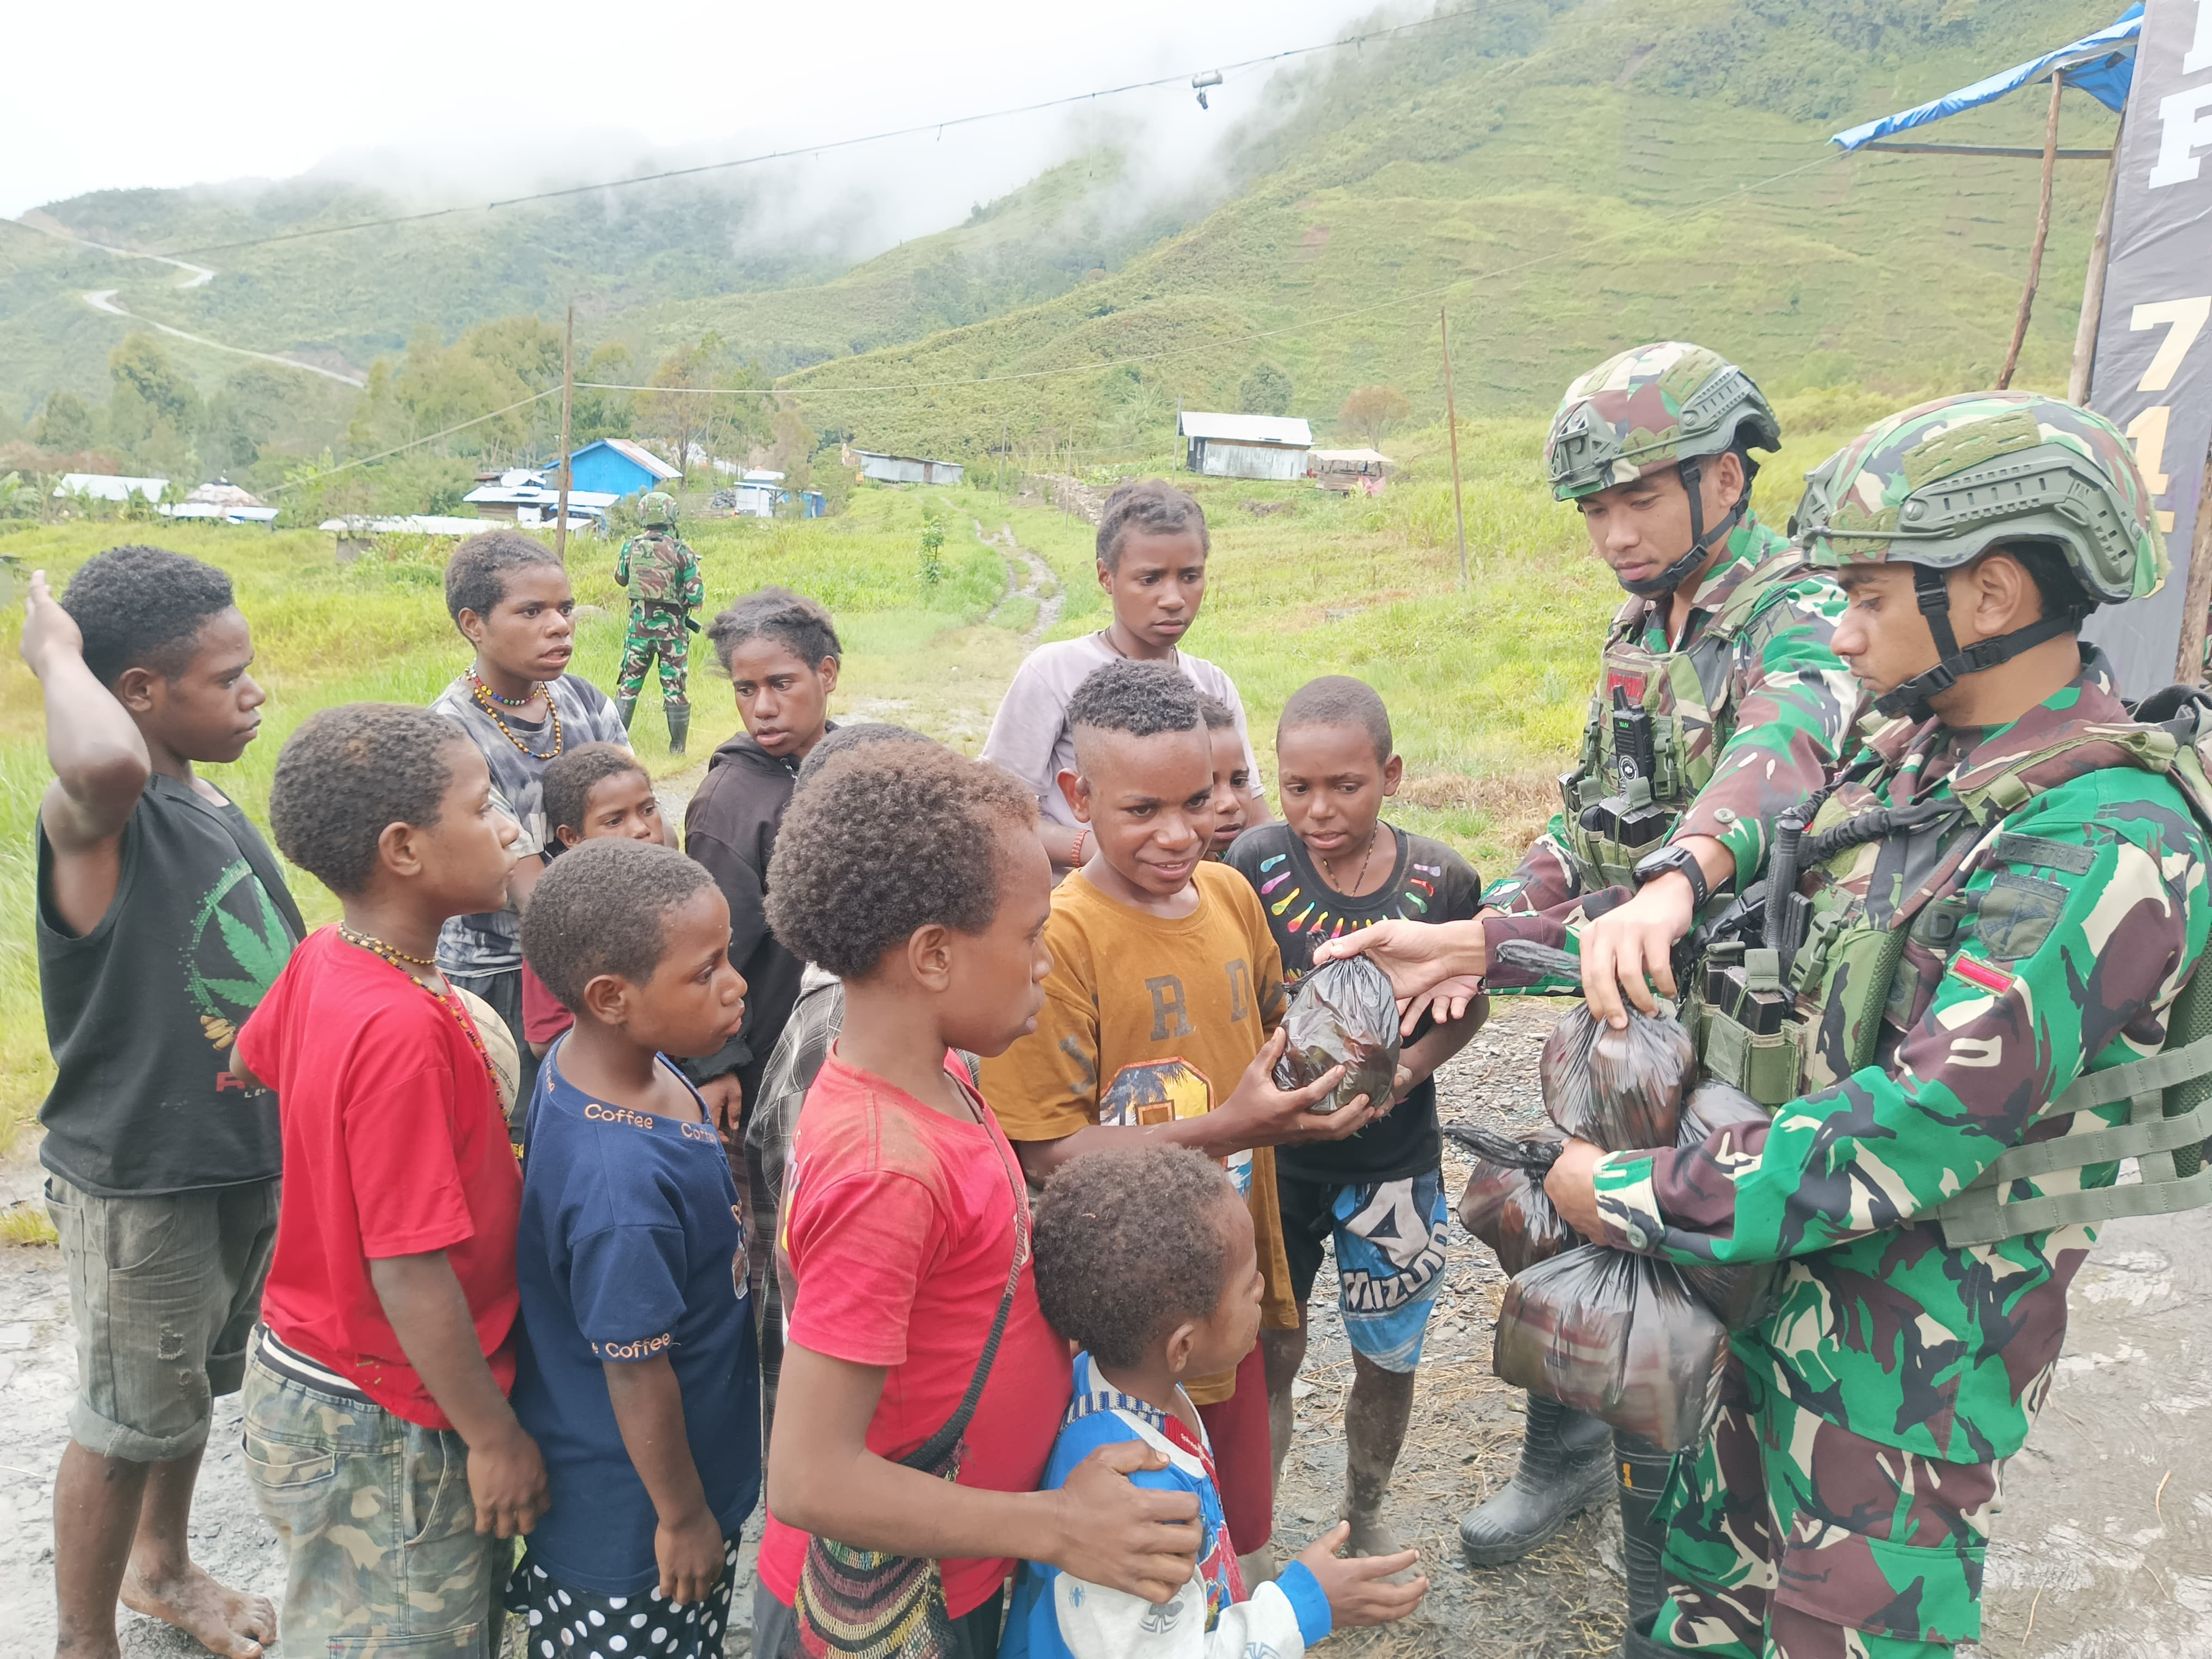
{"type": "Point", "coordinates": [730, 827]}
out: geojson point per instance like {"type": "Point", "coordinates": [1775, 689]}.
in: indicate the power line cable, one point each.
{"type": "Point", "coordinates": [1181, 78]}
{"type": "Point", "coordinates": [414, 443]}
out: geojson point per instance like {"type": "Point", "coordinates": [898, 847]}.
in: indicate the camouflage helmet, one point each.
{"type": "Point", "coordinates": [656, 507]}
{"type": "Point", "coordinates": [1940, 484]}
{"type": "Point", "coordinates": [1657, 406]}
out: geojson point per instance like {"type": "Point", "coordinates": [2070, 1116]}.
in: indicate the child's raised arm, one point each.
{"type": "Point", "coordinates": [99, 759]}
{"type": "Point", "coordinates": [687, 1544]}
{"type": "Point", "coordinates": [822, 1480]}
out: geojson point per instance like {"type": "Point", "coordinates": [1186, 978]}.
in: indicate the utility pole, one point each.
{"type": "Point", "coordinates": [1002, 459]}
{"type": "Point", "coordinates": [568, 408]}
{"type": "Point", "coordinates": [1451, 420]}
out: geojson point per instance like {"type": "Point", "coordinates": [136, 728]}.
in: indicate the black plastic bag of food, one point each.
{"type": "Point", "coordinates": [1619, 1336]}
{"type": "Point", "coordinates": [1507, 1210]}
{"type": "Point", "coordinates": [1344, 1014]}
{"type": "Point", "coordinates": [1741, 1296]}
{"type": "Point", "coordinates": [1619, 1090]}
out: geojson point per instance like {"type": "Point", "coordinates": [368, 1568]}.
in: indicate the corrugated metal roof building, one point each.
{"type": "Point", "coordinates": [904, 469]}
{"type": "Point", "coordinates": [1244, 446]}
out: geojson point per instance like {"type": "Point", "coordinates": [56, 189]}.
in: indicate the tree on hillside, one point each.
{"type": "Point", "coordinates": [1266, 391]}
{"type": "Point", "coordinates": [679, 412]}
{"type": "Point", "coordinates": [66, 425]}
{"type": "Point", "coordinates": [154, 412]}
{"type": "Point", "coordinates": [1372, 410]}
{"type": "Point", "coordinates": [791, 451]}
{"type": "Point", "coordinates": [605, 414]}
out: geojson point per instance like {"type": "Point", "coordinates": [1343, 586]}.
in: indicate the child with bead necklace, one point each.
{"type": "Point", "coordinates": [510, 598]}
{"type": "Point", "coordinates": [392, 1288]}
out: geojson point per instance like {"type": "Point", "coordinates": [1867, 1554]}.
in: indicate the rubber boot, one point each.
{"type": "Point", "coordinates": [1638, 1643]}
{"type": "Point", "coordinates": [1642, 1469]}
{"type": "Point", "coordinates": [624, 708]}
{"type": "Point", "coordinates": [679, 726]}
{"type": "Point", "coordinates": [1566, 1466]}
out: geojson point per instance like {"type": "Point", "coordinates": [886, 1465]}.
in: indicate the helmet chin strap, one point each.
{"type": "Point", "coordinates": [1701, 540]}
{"type": "Point", "coordinates": [1952, 664]}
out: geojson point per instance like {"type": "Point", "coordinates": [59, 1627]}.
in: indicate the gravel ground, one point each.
{"type": "Point", "coordinates": [2104, 1549]}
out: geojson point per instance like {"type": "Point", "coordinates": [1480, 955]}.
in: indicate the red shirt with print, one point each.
{"type": "Point", "coordinates": [900, 1223]}
{"type": "Point", "coordinates": [394, 1145]}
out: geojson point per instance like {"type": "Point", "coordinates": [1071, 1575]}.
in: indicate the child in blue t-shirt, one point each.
{"type": "Point", "coordinates": [635, 1371]}
{"type": "Point", "coordinates": [1145, 1259]}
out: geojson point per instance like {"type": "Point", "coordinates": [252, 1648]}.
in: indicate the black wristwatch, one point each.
{"type": "Point", "coordinates": [1675, 858]}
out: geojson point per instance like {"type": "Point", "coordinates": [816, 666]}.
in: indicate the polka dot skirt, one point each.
{"type": "Point", "coordinates": [565, 1623]}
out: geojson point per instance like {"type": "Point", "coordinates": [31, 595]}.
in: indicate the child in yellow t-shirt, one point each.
{"type": "Point", "coordinates": [1160, 1015]}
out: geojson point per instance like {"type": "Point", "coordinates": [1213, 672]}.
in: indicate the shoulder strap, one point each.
{"type": "Point", "coordinates": [1771, 573]}
{"type": "Point", "coordinates": [933, 1451]}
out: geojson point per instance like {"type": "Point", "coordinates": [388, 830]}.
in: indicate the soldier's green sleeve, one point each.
{"type": "Point", "coordinates": [2059, 965]}
{"type": "Point", "coordinates": [691, 590]}
{"type": "Point", "coordinates": [621, 567]}
{"type": "Point", "coordinates": [1797, 706]}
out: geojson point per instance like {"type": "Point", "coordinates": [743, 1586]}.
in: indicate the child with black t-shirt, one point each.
{"type": "Point", "coordinates": [636, 1370]}
{"type": "Point", "coordinates": [1330, 866]}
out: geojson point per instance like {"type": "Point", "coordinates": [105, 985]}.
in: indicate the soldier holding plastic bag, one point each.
{"type": "Point", "coordinates": [1718, 704]}
{"type": "Point", "coordinates": [2002, 901]}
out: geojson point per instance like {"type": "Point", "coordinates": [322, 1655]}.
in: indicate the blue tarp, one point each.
{"type": "Point", "coordinates": [2102, 65]}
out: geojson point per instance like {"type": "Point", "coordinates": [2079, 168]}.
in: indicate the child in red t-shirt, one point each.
{"type": "Point", "coordinates": [378, 1439]}
{"type": "Point", "coordinates": [596, 789]}
{"type": "Point", "coordinates": [915, 876]}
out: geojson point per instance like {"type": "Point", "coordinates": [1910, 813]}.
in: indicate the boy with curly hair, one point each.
{"type": "Point", "coordinates": [161, 919]}
{"type": "Point", "coordinates": [635, 1372]}
{"type": "Point", "coordinates": [914, 874]}
{"type": "Point", "coordinates": [378, 1437]}
{"type": "Point", "coordinates": [1161, 1016]}
{"type": "Point", "coordinates": [1145, 1261]}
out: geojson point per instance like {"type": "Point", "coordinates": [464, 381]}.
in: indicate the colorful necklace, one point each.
{"type": "Point", "coordinates": [485, 690]}
{"type": "Point", "coordinates": [489, 701]}
{"type": "Point", "coordinates": [399, 959]}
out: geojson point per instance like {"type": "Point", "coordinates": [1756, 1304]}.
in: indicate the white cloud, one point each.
{"type": "Point", "coordinates": [463, 102]}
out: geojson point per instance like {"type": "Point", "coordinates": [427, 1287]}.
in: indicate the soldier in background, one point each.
{"type": "Point", "coordinates": [1719, 703]}
{"type": "Point", "coordinates": [662, 575]}
{"type": "Point", "coordinates": [2003, 899]}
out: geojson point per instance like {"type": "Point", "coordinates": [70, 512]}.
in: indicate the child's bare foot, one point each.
{"type": "Point", "coordinates": [235, 1624]}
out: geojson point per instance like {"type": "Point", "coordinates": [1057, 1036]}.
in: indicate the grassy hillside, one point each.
{"type": "Point", "coordinates": [1567, 153]}
{"type": "Point", "coordinates": [1605, 187]}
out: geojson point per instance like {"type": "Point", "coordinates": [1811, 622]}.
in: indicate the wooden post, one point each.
{"type": "Point", "coordinates": [568, 408]}
{"type": "Point", "coordinates": [2042, 233]}
{"type": "Point", "coordinates": [2092, 284]}
{"type": "Point", "coordinates": [1451, 420]}
{"type": "Point", "coordinates": [2197, 593]}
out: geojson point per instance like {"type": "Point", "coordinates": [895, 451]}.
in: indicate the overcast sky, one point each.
{"type": "Point", "coordinates": [460, 97]}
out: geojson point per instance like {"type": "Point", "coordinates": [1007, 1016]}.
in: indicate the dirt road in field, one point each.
{"type": "Point", "coordinates": [2103, 1550]}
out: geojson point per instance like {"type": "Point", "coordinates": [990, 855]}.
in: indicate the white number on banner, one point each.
{"type": "Point", "coordinates": [2184, 321]}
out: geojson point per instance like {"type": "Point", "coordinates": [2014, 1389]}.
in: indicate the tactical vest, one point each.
{"type": "Point", "coordinates": [1863, 953]}
{"type": "Point", "coordinates": [1658, 723]}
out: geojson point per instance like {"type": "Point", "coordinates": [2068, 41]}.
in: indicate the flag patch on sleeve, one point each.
{"type": "Point", "coordinates": [1981, 975]}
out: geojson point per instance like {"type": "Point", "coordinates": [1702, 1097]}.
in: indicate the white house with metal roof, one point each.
{"type": "Point", "coordinates": [1244, 446]}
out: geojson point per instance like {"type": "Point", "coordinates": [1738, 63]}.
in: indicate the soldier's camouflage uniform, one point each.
{"type": "Point", "coordinates": [382, 1556]}
{"type": "Point", "coordinates": [1765, 714]}
{"type": "Point", "coordinates": [2046, 928]}
{"type": "Point", "coordinates": [662, 574]}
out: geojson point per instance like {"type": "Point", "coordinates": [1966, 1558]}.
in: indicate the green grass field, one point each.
{"type": "Point", "coordinates": [1486, 682]}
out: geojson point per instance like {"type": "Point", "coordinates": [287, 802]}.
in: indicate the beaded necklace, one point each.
{"type": "Point", "coordinates": [399, 959]}
{"type": "Point", "coordinates": [491, 702]}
